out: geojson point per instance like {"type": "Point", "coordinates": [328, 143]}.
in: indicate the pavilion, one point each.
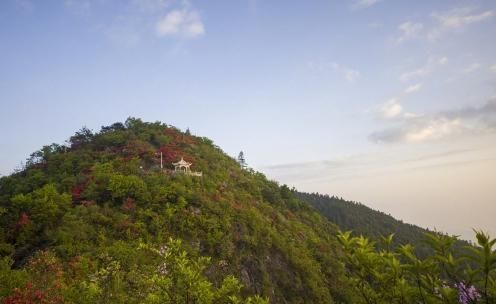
{"type": "Point", "coordinates": [183, 167]}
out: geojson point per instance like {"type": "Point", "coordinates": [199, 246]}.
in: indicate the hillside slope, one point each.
{"type": "Point", "coordinates": [99, 221]}
{"type": "Point", "coordinates": [362, 219]}
{"type": "Point", "coordinates": [368, 222]}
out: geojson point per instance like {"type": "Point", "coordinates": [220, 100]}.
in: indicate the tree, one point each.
{"type": "Point", "coordinates": [382, 274]}
{"type": "Point", "coordinates": [81, 137]}
{"type": "Point", "coordinates": [180, 278]}
{"type": "Point", "coordinates": [241, 160]}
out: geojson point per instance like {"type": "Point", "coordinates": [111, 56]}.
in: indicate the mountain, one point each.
{"type": "Point", "coordinates": [145, 213]}
{"type": "Point", "coordinates": [363, 220]}
{"type": "Point", "coordinates": [99, 221]}
{"type": "Point", "coordinates": [382, 268]}
{"type": "Point", "coordinates": [371, 223]}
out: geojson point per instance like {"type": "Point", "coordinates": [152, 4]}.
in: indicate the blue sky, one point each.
{"type": "Point", "coordinates": [392, 103]}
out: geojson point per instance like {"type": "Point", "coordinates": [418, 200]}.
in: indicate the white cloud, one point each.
{"type": "Point", "coordinates": [458, 122]}
{"type": "Point", "coordinates": [433, 129]}
{"type": "Point", "coordinates": [391, 109]}
{"type": "Point", "coordinates": [471, 67]}
{"type": "Point", "coordinates": [348, 73]}
{"type": "Point", "coordinates": [431, 64]}
{"type": "Point", "coordinates": [420, 129]}
{"type": "Point", "coordinates": [321, 66]}
{"type": "Point", "coordinates": [184, 23]}
{"type": "Point", "coordinates": [460, 17]}
{"type": "Point", "coordinates": [443, 60]}
{"type": "Point", "coordinates": [414, 74]}
{"type": "Point", "coordinates": [453, 20]}
{"type": "Point", "coordinates": [493, 68]}
{"type": "Point", "coordinates": [413, 88]}
{"type": "Point", "coordinates": [359, 4]}
{"type": "Point", "coordinates": [409, 30]}
{"type": "Point", "coordinates": [456, 19]}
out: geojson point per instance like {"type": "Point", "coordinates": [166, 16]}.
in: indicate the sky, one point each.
{"type": "Point", "coordinates": [390, 103]}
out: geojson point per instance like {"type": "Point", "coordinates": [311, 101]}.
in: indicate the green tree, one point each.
{"type": "Point", "coordinates": [180, 279]}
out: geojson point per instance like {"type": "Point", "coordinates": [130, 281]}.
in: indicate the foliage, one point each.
{"type": "Point", "coordinates": [373, 224]}
{"type": "Point", "coordinates": [99, 221]}
{"type": "Point", "coordinates": [179, 279]}
{"type": "Point", "coordinates": [382, 274]}
{"type": "Point", "coordinates": [82, 213]}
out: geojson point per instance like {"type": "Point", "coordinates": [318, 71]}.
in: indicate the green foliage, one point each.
{"type": "Point", "coordinates": [380, 274]}
{"type": "Point", "coordinates": [180, 279]}
{"type": "Point", "coordinates": [44, 205]}
{"type": "Point", "coordinates": [122, 186]}
{"type": "Point", "coordinates": [363, 220]}
{"type": "Point", "coordinates": [100, 221]}
{"type": "Point", "coordinates": [9, 278]}
{"type": "Point", "coordinates": [84, 210]}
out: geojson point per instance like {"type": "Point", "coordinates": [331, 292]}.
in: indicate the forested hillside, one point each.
{"type": "Point", "coordinates": [361, 219]}
{"type": "Point", "coordinates": [98, 221]}
{"type": "Point", "coordinates": [388, 261]}
{"type": "Point", "coordinates": [371, 223]}
{"type": "Point", "coordinates": [107, 219]}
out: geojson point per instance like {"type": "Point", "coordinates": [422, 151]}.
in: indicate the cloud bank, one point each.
{"type": "Point", "coordinates": [440, 23]}
{"type": "Point", "coordinates": [183, 23]}
{"type": "Point", "coordinates": [459, 122]}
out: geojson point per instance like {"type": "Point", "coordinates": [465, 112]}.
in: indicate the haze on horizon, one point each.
{"type": "Point", "coordinates": [390, 103]}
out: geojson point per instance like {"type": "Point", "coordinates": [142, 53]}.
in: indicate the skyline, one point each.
{"type": "Point", "coordinates": [389, 103]}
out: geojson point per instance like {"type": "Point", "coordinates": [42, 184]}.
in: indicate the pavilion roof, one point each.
{"type": "Point", "coordinates": [182, 163]}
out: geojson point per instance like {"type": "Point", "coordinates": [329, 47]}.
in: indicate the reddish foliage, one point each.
{"type": "Point", "coordinates": [222, 187]}
{"type": "Point", "coordinates": [179, 137]}
{"type": "Point", "coordinates": [234, 175]}
{"type": "Point", "coordinates": [169, 154]}
{"type": "Point", "coordinates": [129, 204]}
{"type": "Point", "coordinates": [46, 267]}
{"type": "Point", "coordinates": [172, 133]}
{"type": "Point", "coordinates": [30, 295]}
{"type": "Point", "coordinates": [22, 221]}
{"type": "Point", "coordinates": [88, 203]}
{"type": "Point", "coordinates": [76, 192]}
{"type": "Point", "coordinates": [175, 149]}
{"type": "Point", "coordinates": [74, 264]}
{"type": "Point", "coordinates": [138, 148]}
{"type": "Point", "coordinates": [87, 171]}
{"type": "Point", "coordinates": [216, 196]}
{"type": "Point", "coordinates": [128, 226]}
{"type": "Point", "coordinates": [236, 206]}
{"type": "Point", "coordinates": [127, 158]}
{"type": "Point", "coordinates": [289, 215]}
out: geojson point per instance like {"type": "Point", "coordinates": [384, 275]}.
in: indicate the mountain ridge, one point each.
{"type": "Point", "coordinates": [93, 204]}
{"type": "Point", "coordinates": [107, 219]}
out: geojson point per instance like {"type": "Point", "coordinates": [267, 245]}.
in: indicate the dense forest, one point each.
{"type": "Point", "coordinates": [107, 219]}
{"type": "Point", "coordinates": [361, 219]}
{"type": "Point", "coordinates": [99, 221]}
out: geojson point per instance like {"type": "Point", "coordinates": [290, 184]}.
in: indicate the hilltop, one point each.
{"type": "Point", "coordinates": [146, 213]}
{"type": "Point", "coordinates": [99, 220]}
